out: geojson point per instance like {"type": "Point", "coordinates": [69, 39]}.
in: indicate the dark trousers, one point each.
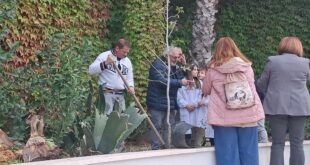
{"type": "Point", "coordinates": [280, 125]}
{"type": "Point", "coordinates": [159, 119]}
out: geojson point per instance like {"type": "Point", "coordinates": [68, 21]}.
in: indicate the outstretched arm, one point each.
{"type": "Point", "coordinates": [158, 73]}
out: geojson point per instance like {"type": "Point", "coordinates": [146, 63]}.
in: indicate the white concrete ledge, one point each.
{"type": "Point", "coordinates": [199, 156]}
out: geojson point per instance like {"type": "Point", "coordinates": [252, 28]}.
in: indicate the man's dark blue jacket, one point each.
{"type": "Point", "coordinates": [156, 92]}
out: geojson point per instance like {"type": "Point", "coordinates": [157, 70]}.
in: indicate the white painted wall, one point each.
{"type": "Point", "coordinates": [201, 156]}
{"type": "Point", "coordinates": [264, 153]}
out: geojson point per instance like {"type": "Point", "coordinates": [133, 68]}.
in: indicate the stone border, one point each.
{"type": "Point", "coordinates": [195, 156]}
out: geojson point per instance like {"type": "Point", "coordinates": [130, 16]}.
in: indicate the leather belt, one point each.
{"type": "Point", "coordinates": [114, 91]}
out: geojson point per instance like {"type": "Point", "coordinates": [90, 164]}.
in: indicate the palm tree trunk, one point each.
{"type": "Point", "coordinates": [203, 30]}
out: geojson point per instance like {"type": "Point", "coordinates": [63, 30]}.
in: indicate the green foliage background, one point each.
{"type": "Point", "coordinates": [182, 34]}
{"type": "Point", "coordinates": [257, 26]}
{"type": "Point", "coordinates": [46, 48]}
{"type": "Point", "coordinates": [47, 45]}
{"type": "Point", "coordinates": [145, 29]}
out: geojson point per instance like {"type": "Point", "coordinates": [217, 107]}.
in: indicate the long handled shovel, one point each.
{"type": "Point", "coordinates": [139, 105]}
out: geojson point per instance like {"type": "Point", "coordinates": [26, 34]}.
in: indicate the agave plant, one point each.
{"type": "Point", "coordinates": [109, 130]}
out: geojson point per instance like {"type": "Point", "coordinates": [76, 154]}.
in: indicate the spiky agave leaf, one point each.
{"type": "Point", "coordinates": [134, 120]}
{"type": "Point", "coordinates": [115, 128]}
{"type": "Point", "coordinates": [100, 123]}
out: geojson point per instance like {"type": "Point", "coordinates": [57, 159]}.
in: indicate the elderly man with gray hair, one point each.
{"type": "Point", "coordinates": [157, 95]}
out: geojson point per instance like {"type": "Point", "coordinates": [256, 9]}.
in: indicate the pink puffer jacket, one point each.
{"type": "Point", "coordinates": [213, 85]}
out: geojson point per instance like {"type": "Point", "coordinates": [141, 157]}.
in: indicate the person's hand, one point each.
{"type": "Point", "coordinates": [131, 90]}
{"type": "Point", "coordinates": [189, 107]}
{"type": "Point", "coordinates": [109, 60]}
{"type": "Point", "coordinates": [201, 104]}
{"type": "Point", "coordinates": [182, 59]}
{"type": "Point", "coordinates": [185, 82]}
{"type": "Point", "coordinates": [191, 83]}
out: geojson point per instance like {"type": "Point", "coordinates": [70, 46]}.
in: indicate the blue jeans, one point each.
{"type": "Point", "coordinates": [159, 120]}
{"type": "Point", "coordinates": [236, 145]}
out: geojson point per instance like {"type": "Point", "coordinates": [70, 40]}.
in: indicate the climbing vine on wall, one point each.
{"type": "Point", "coordinates": [182, 34]}
{"type": "Point", "coordinates": [115, 23]}
{"type": "Point", "coordinates": [48, 45]}
{"type": "Point", "coordinates": [257, 26]}
{"type": "Point", "coordinates": [144, 27]}
{"type": "Point", "coordinates": [37, 20]}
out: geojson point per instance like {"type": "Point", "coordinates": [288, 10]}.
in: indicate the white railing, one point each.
{"type": "Point", "coordinates": [198, 156]}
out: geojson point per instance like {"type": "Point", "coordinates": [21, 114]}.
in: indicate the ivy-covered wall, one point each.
{"type": "Point", "coordinates": [182, 34]}
{"type": "Point", "coordinates": [257, 26]}
{"type": "Point", "coordinates": [145, 29]}
{"type": "Point", "coordinates": [46, 47]}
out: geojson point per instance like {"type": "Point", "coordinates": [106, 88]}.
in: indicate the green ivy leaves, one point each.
{"type": "Point", "coordinates": [258, 26]}
{"type": "Point", "coordinates": [144, 27]}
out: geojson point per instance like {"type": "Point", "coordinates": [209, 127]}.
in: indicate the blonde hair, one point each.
{"type": "Point", "coordinates": [226, 49]}
{"type": "Point", "coordinates": [291, 45]}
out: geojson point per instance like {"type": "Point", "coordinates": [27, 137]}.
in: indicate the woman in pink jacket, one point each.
{"type": "Point", "coordinates": [235, 129]}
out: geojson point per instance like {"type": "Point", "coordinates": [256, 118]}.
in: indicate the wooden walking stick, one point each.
{"type": "Point", "coordinates": [139, 105]}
